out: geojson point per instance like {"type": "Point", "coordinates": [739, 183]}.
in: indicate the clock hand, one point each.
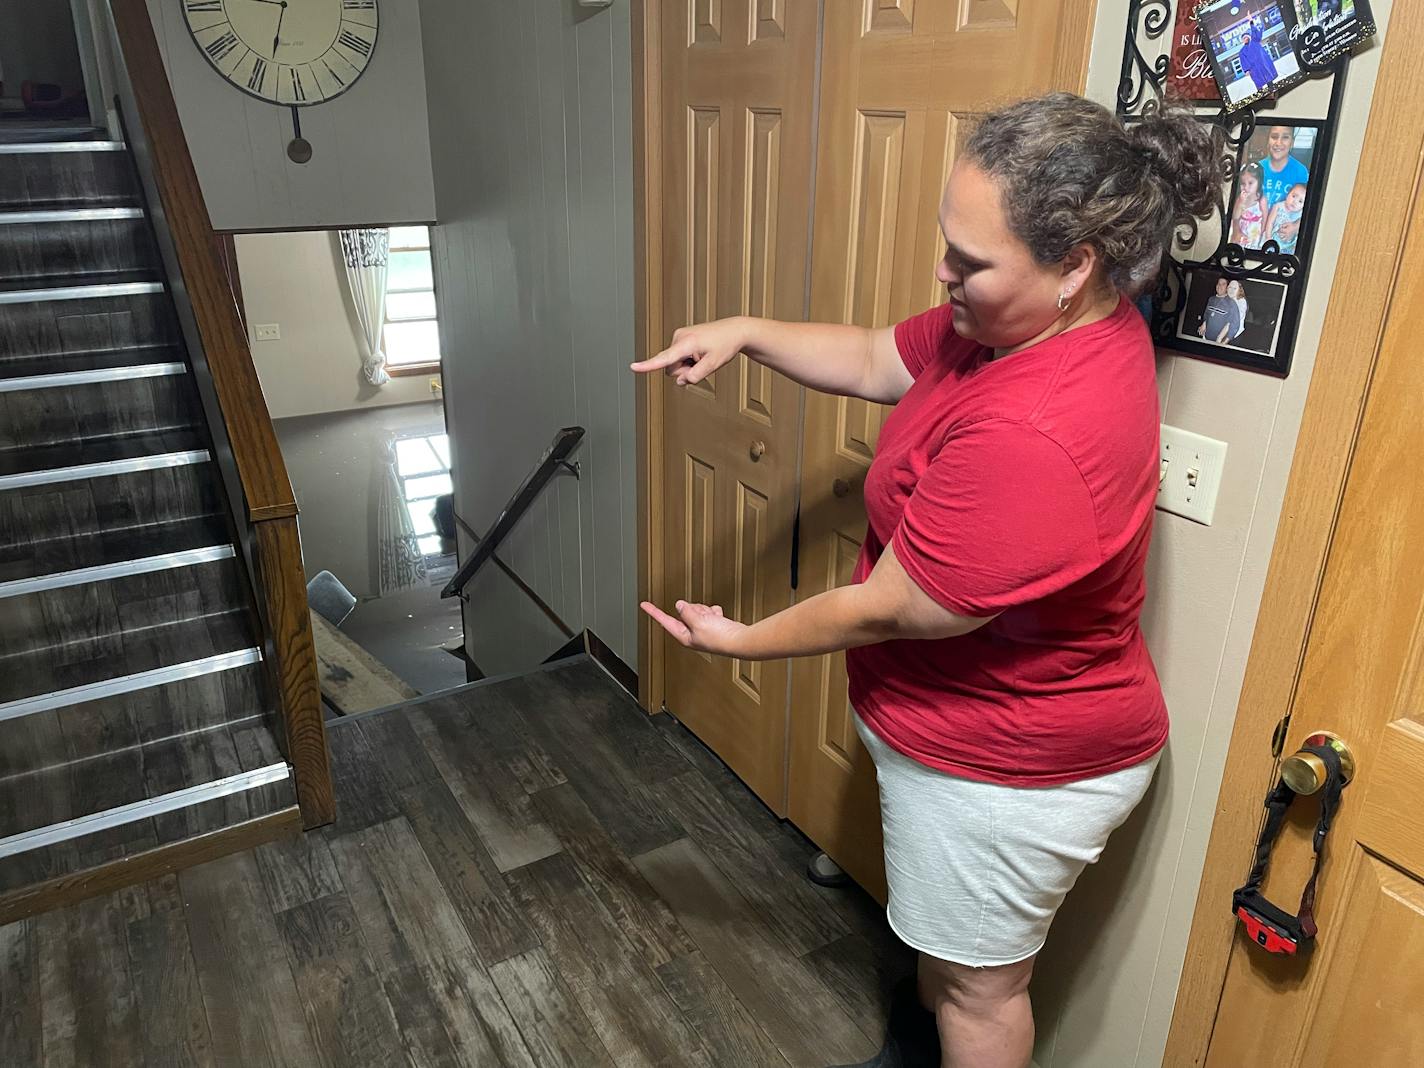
{"type": "Point", "coordinates": [277, 37]}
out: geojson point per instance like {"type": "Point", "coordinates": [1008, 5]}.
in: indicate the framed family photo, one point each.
{"type": "Point", "coordinates": [1250, 44]}
{"type": "Point", "coordinates": [1239, 318]}
{"type": "Point", "coordinates": [1271, 191]}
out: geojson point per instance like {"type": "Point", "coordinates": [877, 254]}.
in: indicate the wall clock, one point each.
{"type": "Point", "coordinates": [292, 53]}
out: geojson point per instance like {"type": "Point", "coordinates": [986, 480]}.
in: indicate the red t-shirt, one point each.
{"type": "Point", "coordinates": [1023, 486]}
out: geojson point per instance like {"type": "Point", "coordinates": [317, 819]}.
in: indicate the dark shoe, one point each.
{"type": "Point", "coordinates": [911, 1037]}
{"type": "Point", "coordinates": [823, 871]}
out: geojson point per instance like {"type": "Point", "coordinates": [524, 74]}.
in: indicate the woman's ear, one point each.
{"type": "Point", "coordinates": [1078, 266]}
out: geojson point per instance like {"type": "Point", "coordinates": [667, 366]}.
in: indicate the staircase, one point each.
{"type": "Point", "coordinates": [159, 704]}
{"type": "Point", "coordinates": [134, 709]}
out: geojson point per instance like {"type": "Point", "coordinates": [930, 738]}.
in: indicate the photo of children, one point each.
{"type": "Point", "coordinates": [1268, 203]}
{"type": "Point", "coordinates": [1250, 46]}
{"type": "Point", "coordinates": [1232, 312]}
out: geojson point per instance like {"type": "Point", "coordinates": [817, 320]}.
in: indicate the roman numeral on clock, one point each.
{"type": "Point", "coordinates": [259, 74]}
{"type": "Point", "coordinates": [298, 93]}
{"type": "Point", "coordinates": [354, 42]}
{"type": "Point", "coordinates": [358, 5]}
{"type": "Point", "coordinates": [219, 47]}
{"type": "Point", "coordinates": [204, 5]}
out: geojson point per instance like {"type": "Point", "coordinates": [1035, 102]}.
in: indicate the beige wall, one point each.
{"type": "Point", "coordinates": [1108, 978]}
{"type": "Point", "coordinates": [297, 280]}
{"type": "Point", "coordinates": [531, 125]}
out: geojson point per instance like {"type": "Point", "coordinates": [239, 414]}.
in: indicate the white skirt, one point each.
{"type": "Point", "coordinates": [977, 870]}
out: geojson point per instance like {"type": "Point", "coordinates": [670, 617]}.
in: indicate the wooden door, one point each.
{"type": "Point", "coordinates": [1357, 999]}
{"type": "Point", "coordinates": [737, 104]}
{"type": "Point", "coordinates": [901, 82]}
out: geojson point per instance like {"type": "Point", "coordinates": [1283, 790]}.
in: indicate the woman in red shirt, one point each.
{"type": "Point", "coordinates": [996, 663]}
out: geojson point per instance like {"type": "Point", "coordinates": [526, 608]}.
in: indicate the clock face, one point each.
{"type": "Point", "coordinates": [289, 52]}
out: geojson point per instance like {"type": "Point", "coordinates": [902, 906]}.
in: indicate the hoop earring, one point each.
{"type": "Point", "coordinates": [1062, 300]}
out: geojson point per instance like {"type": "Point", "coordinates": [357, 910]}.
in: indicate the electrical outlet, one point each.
{"type": "Point", "coordinates": [1189, 476]}
{"type": "Point", "coordinates": [267, 332]}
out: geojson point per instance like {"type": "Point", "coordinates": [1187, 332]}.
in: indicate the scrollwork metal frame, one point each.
{"type": "Point", "coordinates": [1143, 92]}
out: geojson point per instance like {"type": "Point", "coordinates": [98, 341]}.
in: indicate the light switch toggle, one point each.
{"type": "Point", "coordinates": [1189, 474]}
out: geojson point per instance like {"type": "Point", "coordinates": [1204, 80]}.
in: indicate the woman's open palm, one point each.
{"type": "Point", "coordinates": [698, 626]}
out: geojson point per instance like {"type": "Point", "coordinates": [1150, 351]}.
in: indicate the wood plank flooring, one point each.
{"type": "Point", "coordinates": [524, 873]}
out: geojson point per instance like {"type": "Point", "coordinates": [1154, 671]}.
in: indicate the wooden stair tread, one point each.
{"type": "Point", "coordinates": [26, 365]}
{"type": "Point", "coordinates": [16, 461]}
{"type": "Point", "coordinates": [111, 546]}
{"type": "Point", "coordinates": [46, 669]}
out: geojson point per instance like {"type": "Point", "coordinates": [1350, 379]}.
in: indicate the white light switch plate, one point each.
{"type": "Point", "coordinates": [267, 332]}
{"type": "Point", "coordinates": [1190, 474]}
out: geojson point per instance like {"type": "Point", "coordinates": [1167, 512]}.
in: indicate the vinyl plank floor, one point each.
{"type": "Point", "coordinates": [522, 873]}
{"type": "Point", "coordinates": [806, 1027]}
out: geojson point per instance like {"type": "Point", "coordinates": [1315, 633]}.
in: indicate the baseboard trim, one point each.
{"type": "Point", "coordinates": [611, 663]}
{"type": "Point", "coordinates": [150, 864]}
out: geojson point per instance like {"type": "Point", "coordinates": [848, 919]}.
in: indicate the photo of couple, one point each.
{"type": "Point", "coordinates": [1234, 312]}
{"type": "Point", "coordinates": [1268, 204]}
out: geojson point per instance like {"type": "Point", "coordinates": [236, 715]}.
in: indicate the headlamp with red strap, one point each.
{"type": "Point", "coordinates": [1267, 924]}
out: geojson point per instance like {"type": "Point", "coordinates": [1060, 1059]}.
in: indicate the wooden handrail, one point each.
{"type": "Point", "coordinates": [247, 452]}
{"type": "Point", "coordinates": [266, 489]}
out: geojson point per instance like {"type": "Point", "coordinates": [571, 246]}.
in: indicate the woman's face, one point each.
{"type": "Point", "coordinates": [1233, 290]}
{"type": "Point", "coordinates": [999, 294]}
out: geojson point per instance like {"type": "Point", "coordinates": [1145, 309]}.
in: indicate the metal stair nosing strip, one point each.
{"type": "Point", "coordinates": [35, 216]}
{"type": "Point", "coordinates": [144, 565]}
{"type": "Point", "coordinates": [92, 376]}
{"type": "Point", "coordinates": [143, 680]}
{"type": "Point", "coordinates": [40, 148]}
{"type": "Point", "coordinates": [187, 797]}
{"type": "Point", "coordinates": [102, 468]}
{"type": "Point", "coordinates": [79, 292]}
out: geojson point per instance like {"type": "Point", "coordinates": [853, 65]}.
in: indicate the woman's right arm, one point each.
{"type": "Point", "coordinates": [851, 361]}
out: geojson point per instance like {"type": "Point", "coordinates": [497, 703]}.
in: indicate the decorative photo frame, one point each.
{"type": "Point", "coordinates": [1344, 23]}
{"type": "Point", "coordinates": [1250, 45]}
{"type": "Point", "coordinates": [1263, 242]}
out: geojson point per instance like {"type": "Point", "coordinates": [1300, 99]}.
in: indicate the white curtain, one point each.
{"type": "Point", "coordinates": [402, 565]}
{"type": "Point", "coordinates": [367, 254]}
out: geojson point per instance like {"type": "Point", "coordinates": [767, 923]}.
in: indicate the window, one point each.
{"type": "Point", "coordinates": [423, 464]}
{"type": "Point", "coordinates": [412, 335]}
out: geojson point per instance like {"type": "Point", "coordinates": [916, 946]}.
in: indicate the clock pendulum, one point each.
{"type": "Point", "coordinates": [299, 149]}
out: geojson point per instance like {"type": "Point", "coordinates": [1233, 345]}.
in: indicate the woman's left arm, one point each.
{"type": "Point", "coordinates": [886, 606]}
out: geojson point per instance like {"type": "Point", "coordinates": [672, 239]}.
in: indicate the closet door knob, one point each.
{"type": "Point", "coordinates": [840, 487]}
{"type": "Point", "coordinates": [757, 451]}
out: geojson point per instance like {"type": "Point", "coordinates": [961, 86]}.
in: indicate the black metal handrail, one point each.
{"type": "Point", "coordinates": [556, 456]}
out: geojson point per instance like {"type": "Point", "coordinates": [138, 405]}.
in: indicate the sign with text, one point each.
{"type": "Point", "coordinates": [1190, 77]}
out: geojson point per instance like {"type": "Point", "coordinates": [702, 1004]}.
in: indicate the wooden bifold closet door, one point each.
{"type": "Point", "coordinates": [736, 135]}
{"type": "Point", "coordinates": [900, 83]}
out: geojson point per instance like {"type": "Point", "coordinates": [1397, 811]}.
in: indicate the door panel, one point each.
{"type": "Point", "coordinates": [901, 83]}
{"type": "Point", "coordinates": [1355, 998]}
{"type": "Point", "coordinates": [738, 102]}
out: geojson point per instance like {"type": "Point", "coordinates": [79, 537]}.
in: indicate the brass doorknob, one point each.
{"type": "Point", "coordinates": [840, 487]}
{"type": "Point", "coordinates": [758, 450]}
{"type": "Point", "coordinates": [1304, 772]}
